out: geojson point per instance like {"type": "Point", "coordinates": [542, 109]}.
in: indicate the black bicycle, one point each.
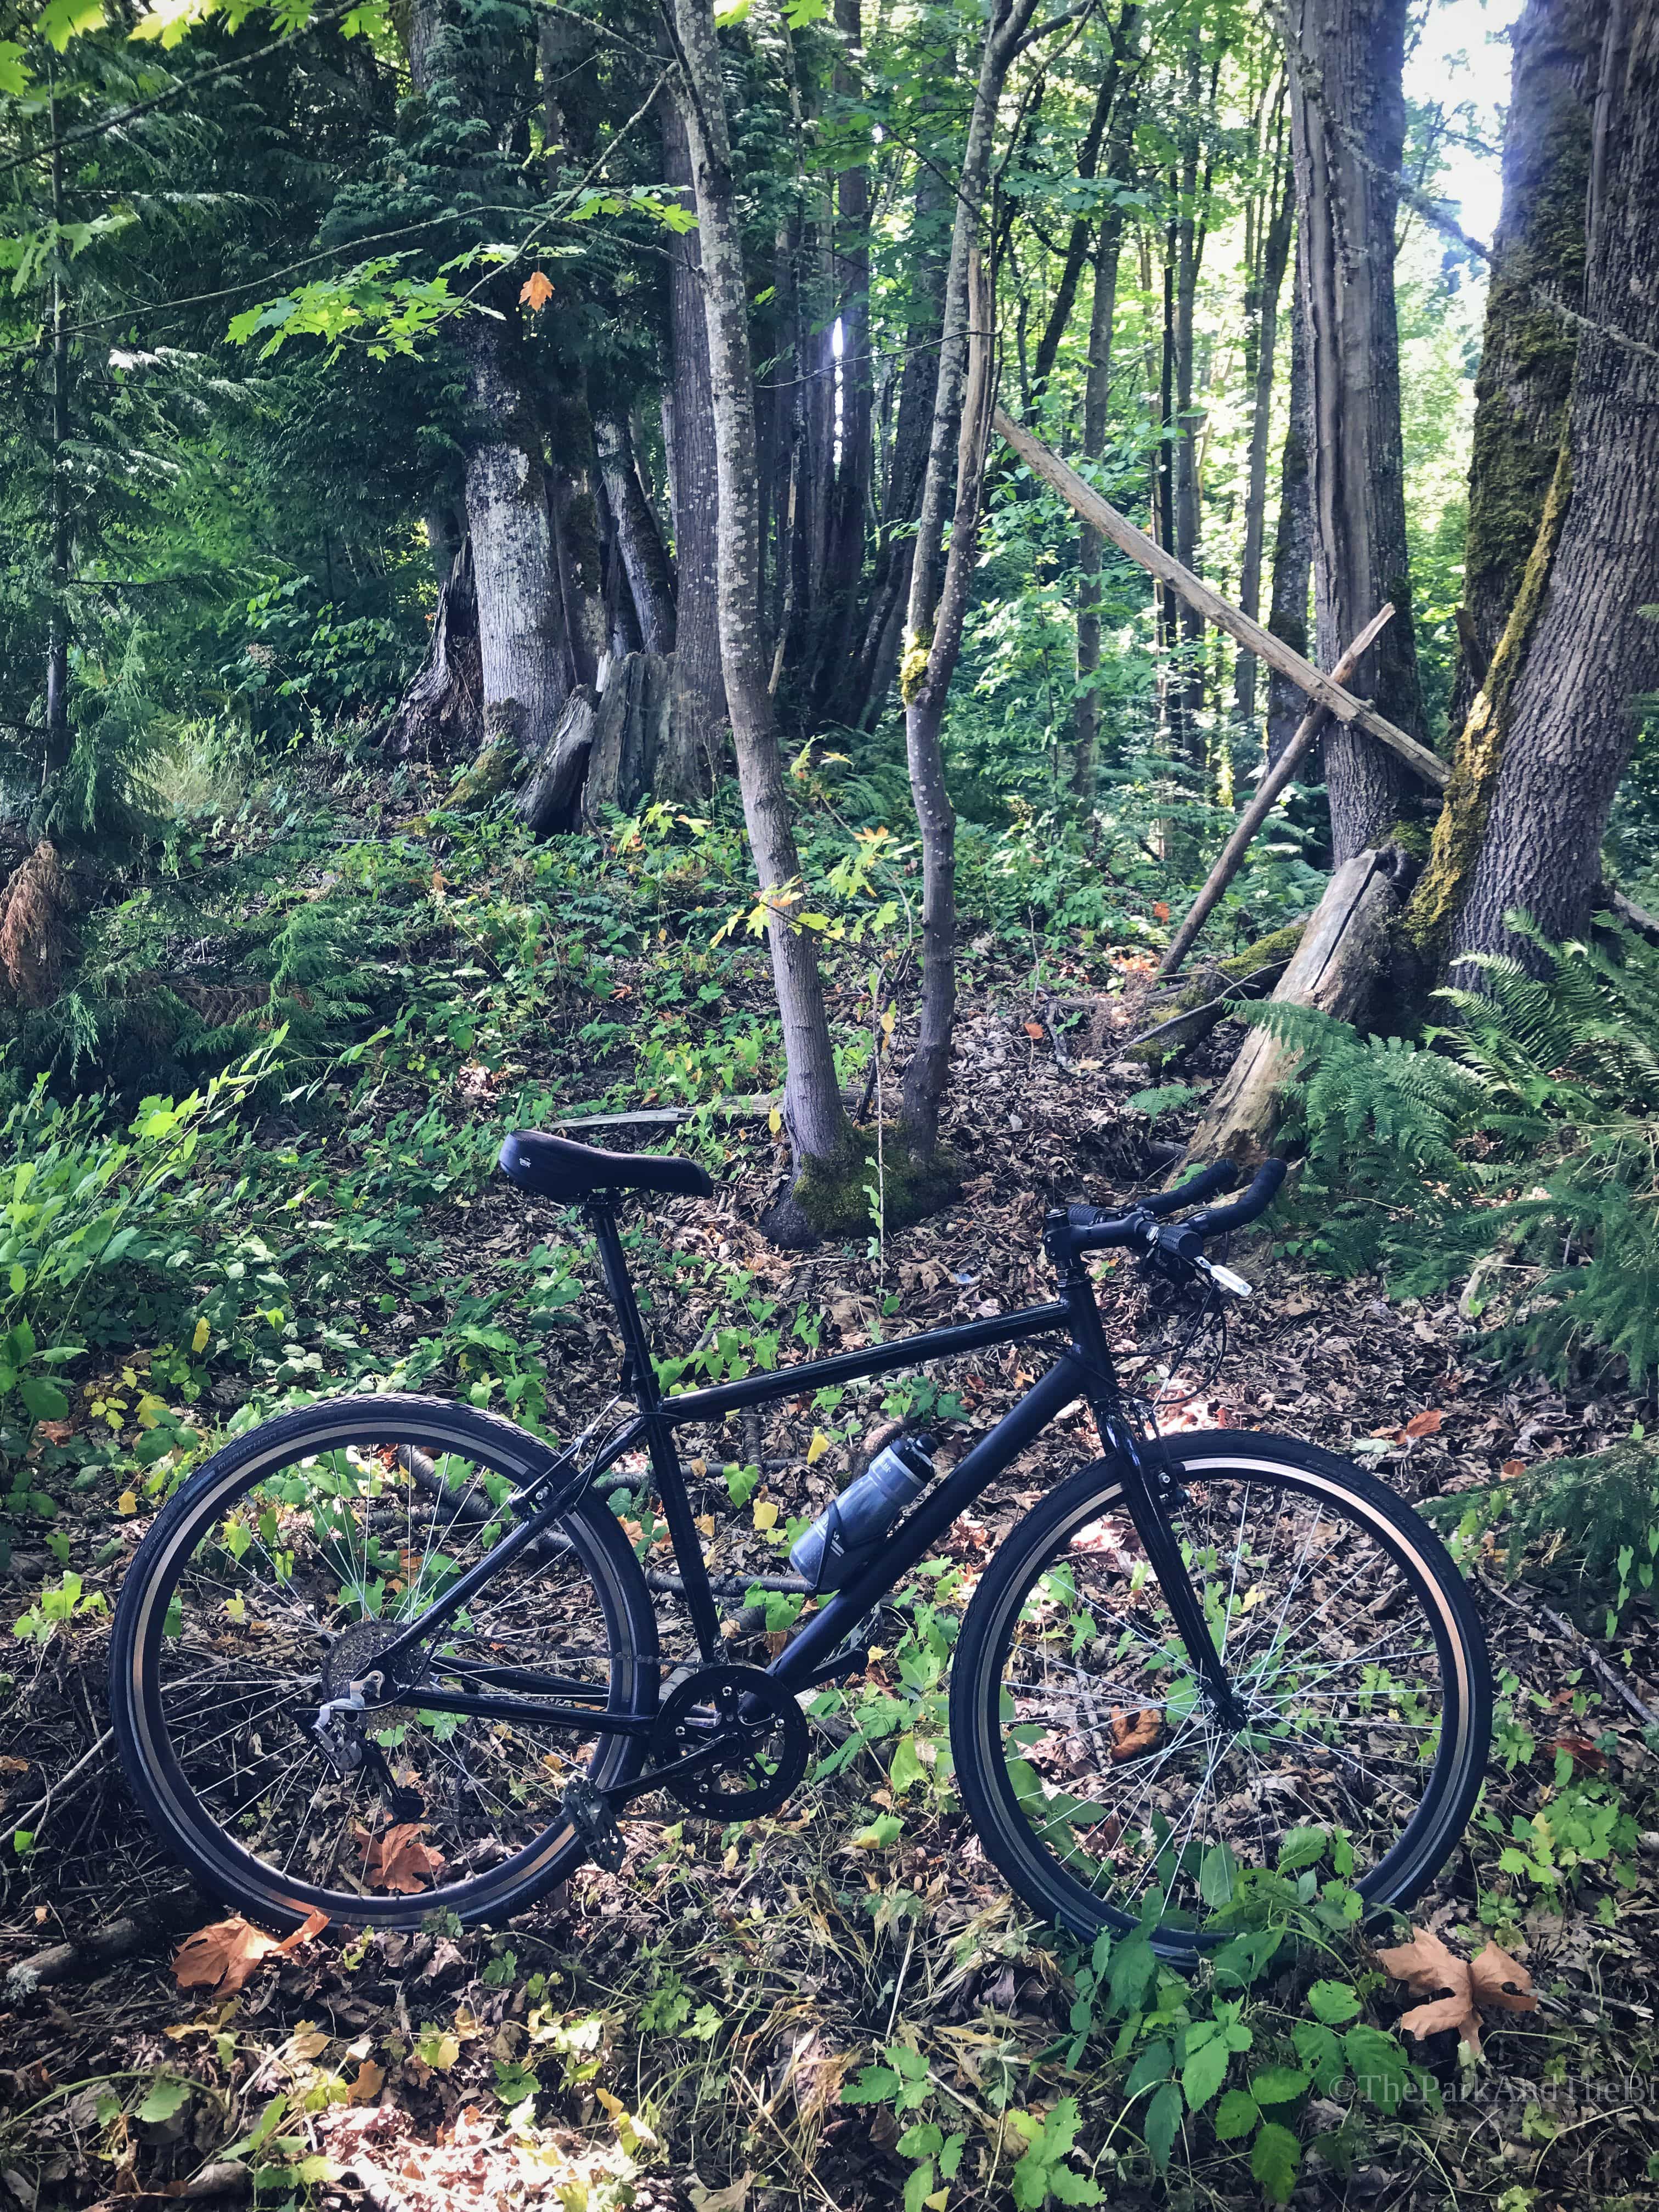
{"type": "Point", "coordinates": [389, 1653]}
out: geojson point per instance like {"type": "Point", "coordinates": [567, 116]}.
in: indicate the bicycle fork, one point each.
{"type": "Point", "coordinates": [1148, 1492]}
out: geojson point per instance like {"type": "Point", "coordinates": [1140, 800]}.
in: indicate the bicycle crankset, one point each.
{"type": "Point", "coordinates": [753, 1735]}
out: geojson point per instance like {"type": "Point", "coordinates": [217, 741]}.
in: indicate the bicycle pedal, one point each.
{"type": "Point", "coordinates": [588, 1811]}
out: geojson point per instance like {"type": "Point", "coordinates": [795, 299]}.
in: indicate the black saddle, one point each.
{"type": "Point", "coordinates": [560, 1169]}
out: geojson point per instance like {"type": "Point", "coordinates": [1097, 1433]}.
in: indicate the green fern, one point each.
{"type": "Point", "coordinates": [1527, 1129]}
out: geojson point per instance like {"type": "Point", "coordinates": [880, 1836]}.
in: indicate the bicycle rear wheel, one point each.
{"type": "Point", "coordinates": [1100, 1779]}
{"type": "Point", "coordinates": [273, 1578]}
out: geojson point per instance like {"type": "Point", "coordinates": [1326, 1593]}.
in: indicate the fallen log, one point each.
{"type": "Point", "coordinates": [1101, 515]}
{"type": "Point", "coordinates": [1274, 778]}
{"type": "Point", "coordinates": [1214, 997]}
{"type": "Point", "coordinates": [1344, 949]}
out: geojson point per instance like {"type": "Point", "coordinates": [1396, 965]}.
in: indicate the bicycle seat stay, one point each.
{"type": "Point", "coordinates": [560, 1169]}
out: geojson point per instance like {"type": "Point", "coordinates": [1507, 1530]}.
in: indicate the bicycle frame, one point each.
{"type": "Point", "coordinates": [1083, 1370]}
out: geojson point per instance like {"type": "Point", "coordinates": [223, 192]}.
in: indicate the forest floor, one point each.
{"type": "Point", "coordinates": [691, 2022]}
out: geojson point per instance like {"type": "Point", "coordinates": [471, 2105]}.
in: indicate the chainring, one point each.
{"type": "Point", "coordinates": [762, 1731]}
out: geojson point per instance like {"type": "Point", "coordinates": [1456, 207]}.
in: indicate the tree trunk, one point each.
{"type": "Point", "coordinates": [934, 617]}
{"type": "Point", "coordinates": [514, 568]}
{"type": "Point", "coordinates": [1287, 616]}
{"type": "Point", "coordinates": [58, 735]}
{"type": "Point", "coordinates": [1261, 310]}
{"type": "Point", "coordinates": [551, 797]}
{"type": "Point", "coordinates": [644, 555]}
{"type": "Point", "coordinates": [697, 724]}
{"type": "Point", "coordinates": [1115, 78]}
{"type": "Point", "coordinates": [1553, 730]}
{"type": "Point", "coordinates": [628, 736]}
{"type": "Point", "coordinates": [445, 536]}
{"type": "Point", "coordinates": [1348, 121]}
{"type": "Point", "coordinates": [1188, 517]}
{"type": "Point", "coordinates": [1527, 351]}
{"type": "Point", "coordinates": [1097, 395]}
{"type": "Point", "coordinates": [812, 1108]}
{"type": "Point", "coordinates": [870, 674]}
{"type": "Point", "coordinates": [849, 487]}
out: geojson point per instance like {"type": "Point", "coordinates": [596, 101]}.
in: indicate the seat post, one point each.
{"type": "Point", "coordinates": [602, 1219]}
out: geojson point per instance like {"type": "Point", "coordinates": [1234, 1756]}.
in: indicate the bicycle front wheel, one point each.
{"type": "Point", "coordinates": [271, 1581]}
{"type": "Point", "coordinates": [1110, 1790]}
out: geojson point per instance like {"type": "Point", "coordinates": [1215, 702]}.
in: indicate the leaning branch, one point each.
{"type": "Point", "coordinates": [1100, 515]}
{"type": "Point", "coordinates": [1274, 778]}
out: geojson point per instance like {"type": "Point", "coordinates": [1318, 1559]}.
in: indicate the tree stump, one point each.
{"type": "Point", "coordinates": [549, 798]}
{"type": "Point", "coordinates": [441, 715]}
{"type": "Point", "coordinates": [630, 736]}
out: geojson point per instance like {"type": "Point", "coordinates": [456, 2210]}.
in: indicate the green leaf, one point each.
{"type": "Point", "coordinates": [1320, 2051]}
{"type": "Point", "coordinates": [873, 2087]}
{"type": "Point", "coordinates": [1277, 2085]}
{"type": "Point", "coordinates": [1303, 1847]}
{"type": "Point", "coordinates": [1275, 2160]}
{"type": "Point", "coordinates": [1205, 2071]}
{"type": "Point", "coordinates": [1332, 2002]}
{"type": "Point", "coordinates": [1152, 2065]}
{"type": "Point", "coordinates": [919, 2187]}
{"type": "Point", "coordinates": [45, 1400]}
{"type": "Point", "coordinates": [1379, 2067]}
{"type": "Point", "coordinates": [1162, 2124]}
{"type": "Point", "coordinates": [1236, 2115]}
{"type": "Point", "coordinates": [906, 1769]}
{"type": "Point", "coordinates": [1135, 1968]}
{"type": "Point", "coordinates": [165, 2097]}
{"type": "Point", "coordinates": [60, 21]}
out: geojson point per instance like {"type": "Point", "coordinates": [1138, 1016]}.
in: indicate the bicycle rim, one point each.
{"type": "Point", "coordinates": [1112, 1793]}
{"type": "Point", "coordinates": [268, 1586]}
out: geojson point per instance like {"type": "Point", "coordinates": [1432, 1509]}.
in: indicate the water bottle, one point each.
{"type": "Point", "coordinates": [847, 1531]}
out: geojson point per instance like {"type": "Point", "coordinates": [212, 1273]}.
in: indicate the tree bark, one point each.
{"type": "Point", "coordinates": [1287, 616]}
{"type": "Point", "coordinates": [1553, 730]}
{"type": "Point", "coordinates": [1527, 351]}
{"type": "Point", "coordinates": [1348, 122]}
{"type": "Point", "coordinates": [1261, 312]}
{"type": "Point", "coordinates": [1096, 397]}
{"type": "Point", "coordinates": [644, 555]}
{"type": "Point", "coordinates": [813, 1108]}
{"type": "Point", "coordinates": [514, 568]}
{"type": "Point", "coordinates": [1188, 517]}
{"type": "Point", "coordinates": [59, 737]}
{"type": "Point", "coordinates": [697, 724]}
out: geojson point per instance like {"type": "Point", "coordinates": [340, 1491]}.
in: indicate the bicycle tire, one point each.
{"type": "Point", "coordinates": [178, 1814]}
{"type": "Point", "coordinates": [1201, 1462]}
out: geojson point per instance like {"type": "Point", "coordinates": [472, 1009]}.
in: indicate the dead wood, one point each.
{"type": "Point", "coordinates": [1101, 515]}
{"type": "Point", "coordinates": [441, 715]}
{"type": "Point", "coordinates": [1274, 778]}
{"type": "Point", "coordinates": [36, 938]}
{"type": "Point", "coordinates": [1343, 954]}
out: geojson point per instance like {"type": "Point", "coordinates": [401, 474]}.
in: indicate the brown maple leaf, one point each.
{"type": "Point", "coordinates": [401, 1860]}
{"type": "Point", "coordinates": [1426, 1965]}
{"type": "Point", "coordinates": [226, 1956]}
{"type": "Point", "coordinates": [1133, 1733]}
{"type": "Point", "coordinates": [537, 292]}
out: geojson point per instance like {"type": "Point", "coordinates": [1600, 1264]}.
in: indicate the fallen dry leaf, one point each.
{"type": "Point", "coordinates": [401, 1860]}
{"type": "Point", "coordinates": [1034, 1028]}
{"type": "Point", "coordinates": [1582, 1752]}
{"type": "Point", "coordinates": [1424, 1425]}
{"type": "Point", "coordinates": [1133, 1733]}
{"type": "Point", "coordinates": [1511, 1468]}
{"type": "Point", "coordinates": [1426, 1965]}
{"type": "Point", "coordinates": [370, 2080]}
{"type": "Point", "coordinates": [226, 1956]}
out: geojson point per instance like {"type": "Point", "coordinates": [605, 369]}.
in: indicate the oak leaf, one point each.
{"type": "Point", "coordinates": [1133, 1733]}
{"type": "Point", "coordinates": [537, 292]}
{"type": "Point", "coordinates": [401, 1860]}
{"type": "Point", "coordinates": [225, 1957]}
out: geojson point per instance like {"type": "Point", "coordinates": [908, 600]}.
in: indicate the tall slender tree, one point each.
{"type": "Point", "coordinates": [813, 1109]}
{"type": "Point", "coordinates": [1346, 60]}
